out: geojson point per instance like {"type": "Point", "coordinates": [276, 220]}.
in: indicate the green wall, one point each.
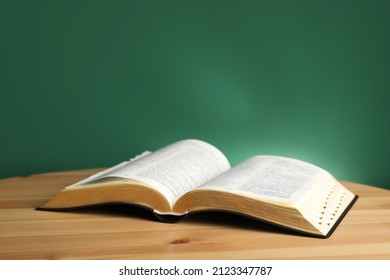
{"type": "Point", "coordinates": [91, 83]}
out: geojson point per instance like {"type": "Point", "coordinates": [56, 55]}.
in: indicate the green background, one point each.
{"type": "Point", "coordinates": [91, 83]}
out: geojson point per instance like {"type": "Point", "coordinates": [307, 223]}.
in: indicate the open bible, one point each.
{"type": "Point", "coordinates": [192, 175]}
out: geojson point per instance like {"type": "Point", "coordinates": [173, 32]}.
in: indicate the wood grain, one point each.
{"type": "Point", "coordinates": [125, 232]}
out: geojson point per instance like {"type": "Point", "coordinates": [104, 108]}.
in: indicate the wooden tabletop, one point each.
{"type": "Point", "coordinates": [126, 232]}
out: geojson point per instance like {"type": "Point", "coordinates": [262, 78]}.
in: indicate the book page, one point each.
{"type": "Point", "coordinates": [104, 173]}
{"type": "Point", "coordinates": [269, 177]}
{"type": "Point", "coordinates": [175, 169]}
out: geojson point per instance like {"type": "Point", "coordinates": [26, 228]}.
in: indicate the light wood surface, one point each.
{"type": "Point", "coordinates": [123, 232]}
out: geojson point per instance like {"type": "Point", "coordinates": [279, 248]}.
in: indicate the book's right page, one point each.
{"type": "Point", "coordinates": [291, 184]}
{"type": "Point", "coordinates": [274, 178]}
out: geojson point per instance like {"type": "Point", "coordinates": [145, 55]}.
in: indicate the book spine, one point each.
{"type": "Point", "coordinates": [168, 217]}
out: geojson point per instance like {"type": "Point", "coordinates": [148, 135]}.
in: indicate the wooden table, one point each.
{"type": "Point", "coordinates": [125, 232]}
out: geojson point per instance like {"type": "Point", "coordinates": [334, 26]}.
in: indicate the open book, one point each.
{"type": "Point", "coordinates": [192, 175]}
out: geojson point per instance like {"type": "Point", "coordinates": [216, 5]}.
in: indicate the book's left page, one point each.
{"type": "Point", "coordinates": [172, 170]}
